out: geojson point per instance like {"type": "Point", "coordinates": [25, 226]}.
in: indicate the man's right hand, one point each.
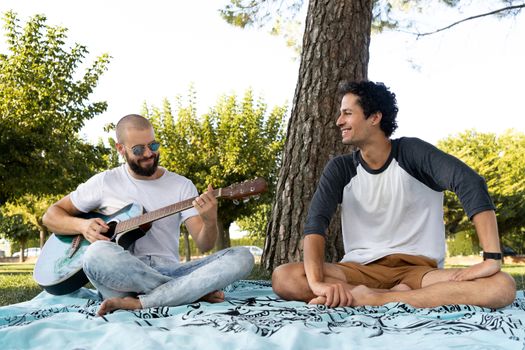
{"type": "Point", "coordinates": [331, 294]}
{"type": "Point", "coordinates": [93, 230]}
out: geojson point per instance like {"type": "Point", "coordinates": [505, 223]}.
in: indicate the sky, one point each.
{"type": "Point", "coordinates": [467, 77]}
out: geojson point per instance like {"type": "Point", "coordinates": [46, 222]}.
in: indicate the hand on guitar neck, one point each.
{"type": "Point", "coordinates": [206, 205]}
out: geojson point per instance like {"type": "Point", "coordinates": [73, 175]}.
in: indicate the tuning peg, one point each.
{"type": "Point", "coordinates": [236, 202]}
{"type": "Point", "coordinates": [246, 200]}
{"type": "Point", "coordinates": [257, 197]}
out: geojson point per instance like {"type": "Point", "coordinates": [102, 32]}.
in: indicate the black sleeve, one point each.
{"type": "Point", "coordinates": [329, 193]}
{"type": "Point", "coordinates": [441, 171]}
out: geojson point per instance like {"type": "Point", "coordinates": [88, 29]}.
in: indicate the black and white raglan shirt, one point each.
{"type": "Point", "coordinates": [397, 209]}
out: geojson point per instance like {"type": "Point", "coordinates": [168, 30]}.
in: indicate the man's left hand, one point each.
{"type": "Point", "coordinates": [486, 268]}
{"type": "Point", "coordinates": [206, 205]}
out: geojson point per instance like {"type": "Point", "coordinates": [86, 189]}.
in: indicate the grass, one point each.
{"type": "Point", "coordinates": [17, 284]}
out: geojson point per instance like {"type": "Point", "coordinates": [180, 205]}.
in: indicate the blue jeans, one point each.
{"type": "Point", "coordinates": [158, 281]}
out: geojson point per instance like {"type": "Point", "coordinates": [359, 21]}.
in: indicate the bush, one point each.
{"type": "Point", "coordinates": [259, 242]}
{"type": "Point", "coordinates": [463, 243]}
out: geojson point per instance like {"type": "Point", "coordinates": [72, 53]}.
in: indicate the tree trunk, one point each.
{"type": "Point", "coordinates": [43, 234]}
{"type": "Point", "coordinates": [187, 248]}
{"type": "Point", "coordinates": [335, 48]}
{"type": "Point", "coordinates": [22, 251]}
{"type": "Point", "coordinates": [223, 235]}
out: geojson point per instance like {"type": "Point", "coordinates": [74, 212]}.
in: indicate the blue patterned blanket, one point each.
{"type": "Point", "coordinates": [253, 317]}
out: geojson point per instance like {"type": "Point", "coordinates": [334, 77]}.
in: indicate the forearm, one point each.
{"type": "Point", "coordinates": [313, 248]}
{"type": "Point", "coordinates": [60, 221]}
{"type": "Point", "coordinates": [207, 237]}
{"type": "Point", "coordinates": [487, 229]}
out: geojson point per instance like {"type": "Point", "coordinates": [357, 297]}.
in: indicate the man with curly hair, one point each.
{"type": "Point", "coordinates": [391, 197]}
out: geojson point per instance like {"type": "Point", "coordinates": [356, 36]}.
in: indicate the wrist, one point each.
{"type": "Point", "coordinates": [492, 256]}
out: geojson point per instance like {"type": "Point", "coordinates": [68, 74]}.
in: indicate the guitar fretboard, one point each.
{"type": "Point", "coordinates": [133, 223]}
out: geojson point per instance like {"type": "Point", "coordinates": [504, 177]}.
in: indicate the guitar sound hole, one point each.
{"type": "Point", "coordinates": [112, 225]}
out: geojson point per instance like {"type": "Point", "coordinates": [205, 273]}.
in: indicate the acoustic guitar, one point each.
{"type": "Point", "coordinates": [59, 267]}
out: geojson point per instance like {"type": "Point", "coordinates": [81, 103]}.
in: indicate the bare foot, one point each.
{"type": "Point", "coordinates": [112, 304]}
{"type": "Point", "coordinates": [400, 288]}
{"type": "Point", "coordinates": [317, 301]}
{"type": "Point", "coordinates": [362, 295]}
{"type": "Point", "coordinates": [213, 297]}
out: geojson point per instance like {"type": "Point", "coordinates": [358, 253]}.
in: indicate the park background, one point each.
{"type": "Point", "coordinates": [182, 65]}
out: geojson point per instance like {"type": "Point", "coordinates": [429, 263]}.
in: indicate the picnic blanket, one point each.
{"type": "Point", "coordinates": [253, 317]}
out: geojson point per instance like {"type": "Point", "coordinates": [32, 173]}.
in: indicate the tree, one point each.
{"type": "Point", "coordinates": [16, 228]}
{"type": "Point", "coordinates": [43, 105]}
{"type": "Point", "coordinates": [499, 159]}
{"type": "Point", "coordinates": [335, 48]}
{"type": "Point", "coordinates": [256, 222]}
{"type": "Point", "coordinates": [31, 208]}
{"type": "Point", "coordinates": [237, 140]}
{"type": "Point", "coordinates": [312, 137]}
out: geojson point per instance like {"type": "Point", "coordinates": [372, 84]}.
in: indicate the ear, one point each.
{"type": "Point", "coordinates": [376, 118]}
{"type": "Point", "coordinates": [120, 149]}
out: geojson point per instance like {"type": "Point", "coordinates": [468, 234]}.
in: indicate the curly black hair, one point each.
{"type": "Point", "coordinates": [374, 97]}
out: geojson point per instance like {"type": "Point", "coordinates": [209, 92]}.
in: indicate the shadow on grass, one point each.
{"type": "Point", "coordinates": [21, 272]}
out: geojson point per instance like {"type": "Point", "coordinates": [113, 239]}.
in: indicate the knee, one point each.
{"type": "Point", "coordinates": [243, 260]}
{"type": "Point", "coordinates": [283, 277]}
{"type": "Point", "coordinates": [98, 256]}
{"type": "Point", "coordinates": [506, 289]}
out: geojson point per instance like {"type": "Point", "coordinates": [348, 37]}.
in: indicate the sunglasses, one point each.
{"type": "Point", "coordinates": [138, 150]}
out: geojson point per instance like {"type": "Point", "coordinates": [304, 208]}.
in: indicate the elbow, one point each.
{"type": "Point", "coordinates": [46, 219]}
{"type": "Point", "coordinates": [206, 247]}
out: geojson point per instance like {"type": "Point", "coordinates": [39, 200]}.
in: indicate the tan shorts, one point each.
{"type": "Point", "coordinates": [389, 271]}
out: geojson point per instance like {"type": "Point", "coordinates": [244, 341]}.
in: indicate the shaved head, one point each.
{"type": "Point", "coordinates": [131, 121]}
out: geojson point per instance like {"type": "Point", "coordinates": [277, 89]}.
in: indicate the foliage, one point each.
{"type": "Point", "coordinates": [516, 240]}
{"type": "Point", "coordinates": [246, 13]}
{"type": "Point", "coordinates": [256, 223]}
{"type": "Point", "coordinates": [194, 251]}
{"type": "Point", "coordinates": [17, 228]}
{"type": "Point", "coordinates": [236, 141]}
{"type": "Point", "coordinates": [31, 208]}
{"type": "Point", "coordinates": [43, 105]}
{"type": "Point", "coordinates": [281, 15]}
{"type": "Point", "coordinates": [463, 243]}
{"type": "Point", "coordinates": [499, 159]}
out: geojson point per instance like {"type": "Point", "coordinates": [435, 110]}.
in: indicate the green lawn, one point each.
{"type": "Point", "coordinates": [17, 284]}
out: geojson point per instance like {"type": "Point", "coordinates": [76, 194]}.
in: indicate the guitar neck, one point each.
{"type": "Point", "coordinates": [158, 214]}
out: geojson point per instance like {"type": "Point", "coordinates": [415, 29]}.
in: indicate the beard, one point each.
{"type": "Point", "coordinates": [138, 169]}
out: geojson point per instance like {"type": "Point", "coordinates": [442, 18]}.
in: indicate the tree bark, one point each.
{"type": "Point", "coordinates": [335, 48]}
{"type": "Point", "coordinates": [187, 248]}
{"type": "Point", "coordinates": [43, 233]}
{"type": "Point", "coordinates": [223, 235]}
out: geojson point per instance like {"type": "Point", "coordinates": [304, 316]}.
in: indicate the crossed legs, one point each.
{"type": "Point", "coordinates": [125, 282]}
{"type": "Point", "coordinates": [289, 282]}
{"type": "Point", "coordinates": [496, 291]}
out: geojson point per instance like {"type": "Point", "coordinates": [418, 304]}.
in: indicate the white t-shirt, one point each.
{"type": "Point", "coordinates": [397, 209]}
{"type": "Point", "coordinates": [111, 190]}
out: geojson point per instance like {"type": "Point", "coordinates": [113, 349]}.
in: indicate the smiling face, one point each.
{"type": "Point", "coordinates": [355, 127]}
{"type": "Point", "coordinates": [146, 164]}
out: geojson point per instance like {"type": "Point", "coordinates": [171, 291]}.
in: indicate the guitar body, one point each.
{"type": "Point", "coordinates": [59, 267]}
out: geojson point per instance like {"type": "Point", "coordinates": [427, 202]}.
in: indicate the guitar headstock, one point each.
{"type": "Point", "coordinates": [244, 189]}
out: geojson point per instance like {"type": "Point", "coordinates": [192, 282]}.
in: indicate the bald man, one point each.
{"type": "Point", "coordinates": [149, 273]}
